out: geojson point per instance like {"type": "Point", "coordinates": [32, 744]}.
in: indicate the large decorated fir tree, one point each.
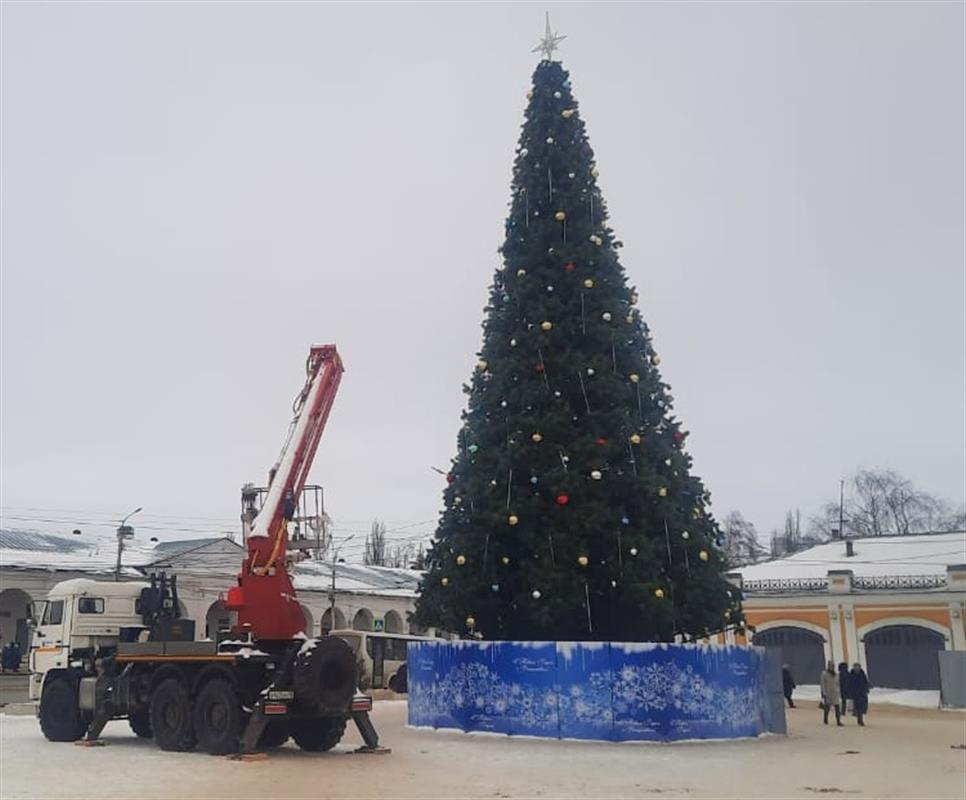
{"type": "Point", "coordinates": [570, 510]}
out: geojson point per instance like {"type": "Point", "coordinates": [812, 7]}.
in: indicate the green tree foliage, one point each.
{"type": "Point", "coordinates": [570, 511]}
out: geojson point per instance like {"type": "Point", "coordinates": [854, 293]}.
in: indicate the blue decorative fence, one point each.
{"type": "Point", "coordinates": [593, 690]}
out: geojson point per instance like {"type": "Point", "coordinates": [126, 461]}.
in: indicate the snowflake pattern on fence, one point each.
{"type": "Point", "coordinates": [670, 687]}
{"type": "Point", "coordinates": [474, 689]}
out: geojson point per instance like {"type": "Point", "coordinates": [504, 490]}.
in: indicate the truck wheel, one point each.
{"type": "Point", "coordinates": [60, 715]}
{"type": "Point", "coordinates": [140, 722]}
{"type": "Point", "coordinates": [217, 718]}
{"type": "Point", "coordinates": [321, 733]}
{"type": "Point", "coordinates": [170, 716]}
{"type": "Point", "coordinates": [275, 735]}
{"type": "Point", "coordinates": [325, 676]}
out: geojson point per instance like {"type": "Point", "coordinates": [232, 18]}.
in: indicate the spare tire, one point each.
{"type": "Point", "coordinates": [325, 676]}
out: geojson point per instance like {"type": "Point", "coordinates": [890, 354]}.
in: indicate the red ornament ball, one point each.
{"type": "Point", "coordinates": [601, 441]}
{"type": "Point", "coordinates": [562, 499]}
{"type": "Point", "coordinates": [450, 477]}
{"type": "Point", "coordinates": [679, 437]}
{"type": "Point", "coordinates": [539, 367]}
{"type": "Point", "coordinates": [570, 266]}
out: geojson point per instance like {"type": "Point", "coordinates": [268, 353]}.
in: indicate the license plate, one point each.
{"type": "Point", "coordinates": [281, 694]}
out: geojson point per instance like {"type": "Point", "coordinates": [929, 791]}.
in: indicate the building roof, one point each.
{"type": "Point", "coordinates": [93, 553]}
{"type": "Point", "coordinates": [96, 554]}
{"type": "Point", "coordinates": [356, 579]}
{"type": "Point", "coordinates": [877, 556]}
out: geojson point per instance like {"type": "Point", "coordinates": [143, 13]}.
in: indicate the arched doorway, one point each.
{"type": "Point", "coordinates": [362, 621]}
{"type": "Point", "coordinates": [326, 623]}
{"type": "Point", "coordinates": [393, 622]}
{"type": "Point", "coordinates": [217, 621]}
{"type": "Point", "coordinates": [309, 622]}
{"type": "Point", "coordinates": [903, 657]}
{"type": "Point", "coordinates": [14, 613]}
{"type": "Point", "coordinates": [802, 649]}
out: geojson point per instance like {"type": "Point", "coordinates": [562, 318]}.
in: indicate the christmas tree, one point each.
{"type": "Point", "coordinates": [570, 510]}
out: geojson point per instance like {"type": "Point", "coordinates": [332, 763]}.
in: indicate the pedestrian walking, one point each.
{"type": "Point", "coordinates": [16, 655]}
{"type": "Point", "coordinates": [859, 691]}
{"type": "Point", "coordinates": [844, 686]}
{"type": "Point", "coordinates": [788, 684]}
{"type": "Point", "coordinates": [831, 696]}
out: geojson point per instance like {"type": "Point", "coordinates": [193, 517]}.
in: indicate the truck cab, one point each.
{"type": "Point", "coordinates": [80, 619]}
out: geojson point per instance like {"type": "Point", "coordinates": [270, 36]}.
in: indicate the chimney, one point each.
{"type": "Point", "coordinates": [849, 549]}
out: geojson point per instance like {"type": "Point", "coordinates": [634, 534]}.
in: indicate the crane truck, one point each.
{"type": "Point", "coordinates": [106, 651]}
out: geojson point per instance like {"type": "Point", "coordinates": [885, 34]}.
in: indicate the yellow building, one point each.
{"type": "Point", "coordinates": [888, 602]}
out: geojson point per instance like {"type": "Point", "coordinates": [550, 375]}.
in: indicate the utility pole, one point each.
{"type": "Point", "coordinates": [335, 560]}
{"type": "Point", "coordinates": [124, 531]}
{"type": "Point", "coordinates": [842, 507]}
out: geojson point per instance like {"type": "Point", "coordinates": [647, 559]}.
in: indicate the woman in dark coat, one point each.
{"type": "Point", "coordinates": [844, 686]}
{"type": "Point", "coordinates": [788, 685]}
{"type": "Point", "coordinates": [859, 691]}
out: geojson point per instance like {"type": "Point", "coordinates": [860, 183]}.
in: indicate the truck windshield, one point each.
{"type": "Point", "coordinates": [53, 612]}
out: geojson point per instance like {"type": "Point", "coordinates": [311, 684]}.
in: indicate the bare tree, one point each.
{"type": "Point", "coordinates": [408, 556]}
{"type": "Point", "coordinates": [375, 550]}
{"type": "Point", "coordinates": [741, 545]}
{"type": "Point", "coordinates": [881, 502]}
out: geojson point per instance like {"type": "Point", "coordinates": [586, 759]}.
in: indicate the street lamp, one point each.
{"type": "Point", "coordinates": [335, 560]}
{"type": "Point", "coordinates": [124, 531]}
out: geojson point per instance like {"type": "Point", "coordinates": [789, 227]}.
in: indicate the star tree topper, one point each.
{"type": "Point", "coordinates": [549, 42]}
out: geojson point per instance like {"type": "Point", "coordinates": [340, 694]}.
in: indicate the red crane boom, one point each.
{"type": "Point", "coordinates": [265, 598]}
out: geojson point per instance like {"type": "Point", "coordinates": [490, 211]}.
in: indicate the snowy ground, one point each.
{"type": "Point", "coordinates": [901, 753]}
{"type": "Point", "coordinates": [897, 697]}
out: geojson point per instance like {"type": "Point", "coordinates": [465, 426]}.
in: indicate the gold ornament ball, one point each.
{"type": "Point", "coordinates": [530, 95]}
{"type": "Point", "coordinates": [655, 360]}
{"type": "Point", "coordinates": [461, 560]}
{"type": "Point", "coordinates": [444, 581]}
{"type": "Point", "coordinates": [634, 299]}
{"type": "Point", "coordinates": [662, 492]}
{"type": "Point", "coordinates": [470, 622]}
{"type": "Point", "coordinates": [635, 438]}
{"type": "Point", "coordinates": [659, 593]}
{"type": "Point", "coordinates": [567, 113]}
{"type": "Point", "coordinates": [583, 561]}
{"type": "Point", "coordinates": [595, 172]}
{"type": "Point", "coordinates": [513, 519]}
{"type": "Point", "coordinates": [588, 284]}
{"type": "Point", "coordinates": [560, 216]}
{"type": "Point", "coordinates": [546, 325]}
{"type": "Point", "coordinates": [629, 319]}
{"type": "Point", "coordinates": [505, 560]}
{"type": "Point", "coordinates": [703, 555]}
{"type": "Point", "coordinates": [482, 364]}
{"type": "Point", "coordinates": [635, 378]}
{"type": "Point", "coordinates": [537, 438]}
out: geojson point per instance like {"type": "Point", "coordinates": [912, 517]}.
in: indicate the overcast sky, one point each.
{"type": "Point", "coordinates": [194, 193]}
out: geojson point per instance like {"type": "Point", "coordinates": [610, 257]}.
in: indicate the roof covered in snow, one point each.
{"type": "Point", "coordinates": [878, 556]}
{"type": "Point", "coordinates": [93, 553]}
{"type": "Point", "coordinates": [97, 554]}
{"type": "Point", "coordinates": [357, 579]}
